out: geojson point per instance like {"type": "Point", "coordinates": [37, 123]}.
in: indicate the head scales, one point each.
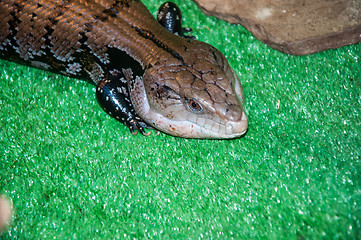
{"type": "Point", "coordinates": [199, 96]}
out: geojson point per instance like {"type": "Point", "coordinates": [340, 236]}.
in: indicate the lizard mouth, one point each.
{"type": "Point", "coordinates": [201, 129]}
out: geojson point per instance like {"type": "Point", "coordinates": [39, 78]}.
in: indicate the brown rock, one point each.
{"type": "Point", "coordinates": [293, 26]}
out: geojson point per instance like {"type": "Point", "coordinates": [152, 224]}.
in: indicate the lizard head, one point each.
{"type": "Point", "coordinates": [198, 97]}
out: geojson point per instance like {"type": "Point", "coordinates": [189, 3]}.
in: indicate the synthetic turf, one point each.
{"type": "Point", "coordinates": [72, 172]}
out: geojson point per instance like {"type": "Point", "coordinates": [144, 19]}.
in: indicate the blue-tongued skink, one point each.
{"type": "Point", "coordinates": [147, 73]}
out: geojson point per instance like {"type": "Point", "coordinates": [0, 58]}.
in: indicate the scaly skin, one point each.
{"type": "Point", "coordinates": [177, 85]}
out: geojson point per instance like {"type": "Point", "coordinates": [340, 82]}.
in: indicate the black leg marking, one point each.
{"type": "Point", "coordinates": [170, 17]}
{"type": "Point", "coordinates": [113, 96]}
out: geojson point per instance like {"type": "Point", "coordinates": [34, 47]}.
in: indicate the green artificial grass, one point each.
{"type": "Point", "coordinates": [72, 172]}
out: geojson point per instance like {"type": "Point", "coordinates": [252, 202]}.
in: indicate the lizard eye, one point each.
{"type": "Point", "coordinates": [194, 106]}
